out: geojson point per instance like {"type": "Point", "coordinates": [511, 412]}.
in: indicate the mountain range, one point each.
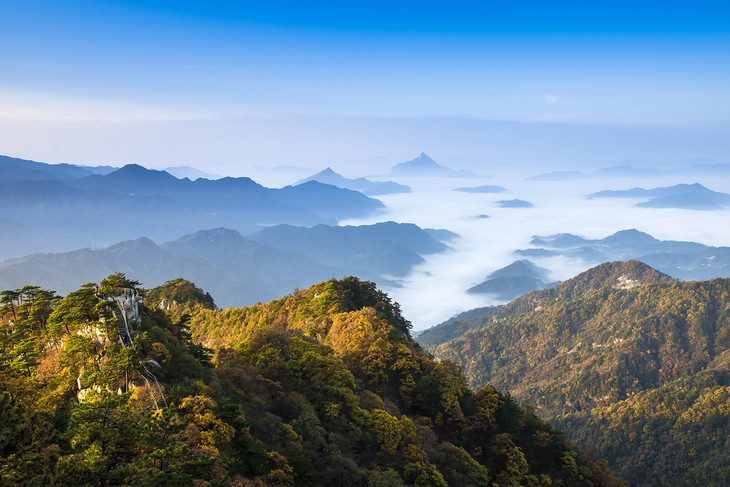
{"type": "Point", "coordinates": [684, 196]}
{"type": "Point", "coordinates": [682, 260]}
{"type": "Point", "coordinates": [628, 171]}
{"type": "Point", "coordinates": [13, 168]}
{"type": "Point", "coordinates": [514, 280]}
{"type": "Point", "coordinates": [78, 209]}
{"type": "Point", "coordinates": [616, 276]}
{"type": "Point", "coordinates": [238, 271]}
{"type": "Point", "coordinates": [365, 186]}
{"type": "Point", "coordinates": [191, 173]}
{"type": "Point", "coordinates": [622, 358]}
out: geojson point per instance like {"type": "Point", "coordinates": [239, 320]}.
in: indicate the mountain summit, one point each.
{"type": "Point", "coordinates": [424, 166]}
{"type": "Point", "coordinates": [620, 357]}
{"type": "Point", "coordinates": [370, 188]}
{"type": "Point", "coordinates": [611, 275]}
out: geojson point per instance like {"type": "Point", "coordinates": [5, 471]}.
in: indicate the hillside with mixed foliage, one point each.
{"type": "Point", "coordinates": [627, 274]}
{"type": "Point", "coordinates": [323, 387]}
{"type": "Point", "coordinates": [641, 372]}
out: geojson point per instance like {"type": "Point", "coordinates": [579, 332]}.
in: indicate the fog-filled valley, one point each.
{"type": "Point", "coordinates": [490, 236]}
{"type": "Point", "coordinates": [364, 244]}
{"type": "Point", "coordinates": [592, 298]}
{"type": "Point", "coordinates": [463, 227]}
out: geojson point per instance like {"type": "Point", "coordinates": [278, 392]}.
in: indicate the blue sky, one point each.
{"type": "Point", "coordinates": [603, 62]}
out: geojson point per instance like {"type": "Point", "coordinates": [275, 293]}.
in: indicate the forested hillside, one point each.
{"type": "Point", "coordinates": [641, 373]}
{"type": "Point", "coordinates": [620, 275]}
{"type": "Point", "coordinates": [323, 387]}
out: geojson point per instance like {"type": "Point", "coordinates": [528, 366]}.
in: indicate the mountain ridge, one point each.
{"type": "Point", "coordinates": [685, 196]}
{"type": "Point", "coordinates": [322, 387]}
{"type": "Point", "coordinates": [365, 186]}
{"type": "Point", "coordinates": [620, 275]}
{"type": "Point", "coordinates": [237, 270]}
{"type": "Point", "coordinates": [101, 209]}
{"type": "Point", "coordinates": [636, 370]}
{"type": "Point", "coordinates": [681, 260]}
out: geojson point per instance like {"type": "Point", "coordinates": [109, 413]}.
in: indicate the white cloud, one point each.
{"type": "Point", "coordinates": [437, 289]}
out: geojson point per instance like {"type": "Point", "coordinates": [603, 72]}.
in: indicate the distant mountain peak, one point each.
{"type": "Point", "coordinates": [365, 186]}
{"type": "Point", "coordinates": [686, 196]}
{"type": "Point", "coordinates": [522, 267]}
{"type": "Point", "coordinates": [631, 235]}
{"type": "Point", "coordinates": [141, 244]}
{"type": "Point", "coordinates": [134, 169]}
{"type": "Point", "coordinates": [182, 172]}
{"type": "Point", "coordinates": [423, 159]}
{"type": "Point", "coordinates": [423, 165]}
{"type": "Point", "coordinates": [139, 173]}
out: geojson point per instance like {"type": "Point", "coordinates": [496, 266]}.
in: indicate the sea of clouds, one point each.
{"type": "Point", "coordinates": [437, 289]}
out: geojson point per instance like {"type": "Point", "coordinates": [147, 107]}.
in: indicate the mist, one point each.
{"type": "Point", "coordinates": [360, 146]}
{"type": "Point", "coordinates": [437, 289]}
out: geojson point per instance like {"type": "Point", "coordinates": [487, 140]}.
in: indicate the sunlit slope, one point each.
{"type": "Point", "coordinates": [611, 274]}
{"type": "Point", "coordinates": [640, 372]}
{"type": "Point", "coordinates": [345, 345]}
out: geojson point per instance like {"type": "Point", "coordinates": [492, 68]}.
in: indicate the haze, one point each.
{"type": "Point", "coordinates": [505, 91]}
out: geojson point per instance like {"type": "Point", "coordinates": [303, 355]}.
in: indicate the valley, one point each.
{"type": "Point", "coordinates": [364, 244]}
{"type": "Point", "coordinates": [537, 314]}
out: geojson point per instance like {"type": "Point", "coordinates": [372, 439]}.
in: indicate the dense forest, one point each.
{"type": "Point", "coordinates": [641, 373]}
{"type": "Point", "coordinates": [322, 387]}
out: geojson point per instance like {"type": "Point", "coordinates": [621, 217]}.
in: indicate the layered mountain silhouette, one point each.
{"type": "Point", "coordinates": [12, 168]}
{"type": "Point", "coordinates": [370, 251]}
{"type": "Point", "coordinates": [424, 166]}
{"type": "Point", "coordinates": [514, 280]}
{"type": "Point", "coordinates": [182, 172]}
{"type": "Point", "coordinates": [365, 186]}
{"type": "Point", "coordinates": [684, 196]}
{"type": "Point", "coordinates": [131, 202]}
{"type": "Point", "coordinates": [682, 260]}
{"type": "Point", "coordinates": [624, 171]}
{"type": "Point", "coordinates": [237, 271]}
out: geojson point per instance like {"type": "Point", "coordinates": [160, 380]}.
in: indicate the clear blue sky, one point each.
{"type": "Point", "coordinates": [617, 62]}
{"type": "Point", "coordinates": [614, 61]}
